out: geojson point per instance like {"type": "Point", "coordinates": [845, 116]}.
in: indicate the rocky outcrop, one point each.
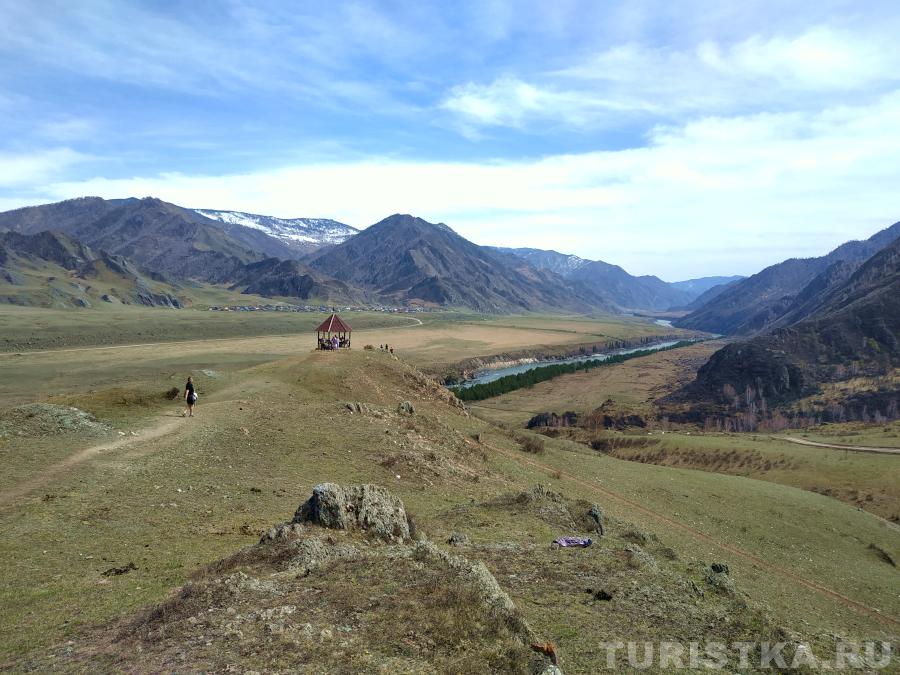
{"type": "Point", "coordinates": [365, 507]}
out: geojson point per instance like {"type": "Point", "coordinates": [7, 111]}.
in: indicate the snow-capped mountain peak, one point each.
{"type": "Point", "coordinates": [303, 232]}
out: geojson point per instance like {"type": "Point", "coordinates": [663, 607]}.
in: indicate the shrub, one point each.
{"type": "Point", "coordinates": [532, 444]}
{"type": "Point", "coordinates": [369, 348]}
{"type": "Point", "coordinates": [172, 393]}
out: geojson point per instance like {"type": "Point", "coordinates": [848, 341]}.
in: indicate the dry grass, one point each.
{"type": "Point", "coordinates": [268, 430]}
{"type": "Point", "coordinates": [633, 384]}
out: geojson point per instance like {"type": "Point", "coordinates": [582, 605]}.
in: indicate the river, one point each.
{"type": "Point", "coordinates": [489, 375]}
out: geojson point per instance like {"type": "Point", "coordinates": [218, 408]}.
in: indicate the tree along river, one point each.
{"type": "Point", "coordinates": [483, 376]}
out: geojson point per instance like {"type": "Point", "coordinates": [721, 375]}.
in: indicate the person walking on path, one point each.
{"type": "Point", "coordinates": [190, 397]}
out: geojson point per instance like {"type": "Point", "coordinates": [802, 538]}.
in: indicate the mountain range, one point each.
{"type": "Point", "coordinates": [776, 296]}
{"type": "Point", "coordinates": [846, 323]}
{"type": "Point", "coordinates": [618, 287]}
{"type": "Point", "coordinates": [303, 235]}
{"type": "Point", "coordinates": [407, 259]}
{"type": "Point", "coordinates": [404, 259]}
{"type": "Point", "coordinates": [53, 270]}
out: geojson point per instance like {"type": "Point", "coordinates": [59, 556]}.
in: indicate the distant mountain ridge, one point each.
{"type": "Point", "coordinates": [617, 286]}
{"type": "Point", "coordinates": [851, 324]}
{"type": "Point", "coordinates": [560, 263]}
{"type": "Point", "coordinates": [704, 284]}
{"type": "Point", "coordinates": [303, 235]}
{"type": "Point", "coordinates": [52, 269]}
{"type": "Point", "coordinates": [757, 302]}
{"type": "Point", "coordinates": [412, 260]}
{"type": "Point", "coordinates": [179, 244]}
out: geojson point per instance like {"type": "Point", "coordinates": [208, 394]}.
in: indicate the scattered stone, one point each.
{"type": "Point", "coordinates": [210, 373]}
{"type": "Point", "coordinates": [601, 595]}
{"type": "Point", "coordinates": [314, 552]}
{"type": "Point", "coordinates": [669, 553]}
{"type": "Point", "coordinates": [406, 408]}
{"type": "Point", "coordinates": [638, 557]}
{"type": "Point", "coordinates": [41, 419]}
{"type": "Point", "coordinates": [367, 507]}
{"type": "Point", "coordinates": [357, 407]}
{"type": "Point", "coordinates": [484, 583]}
{"type": "Point", "coordinates": [719, 580]}
{"type": "Point", "coordinates": [635, 536]}
{"type": "Point", "coordinates": [458, 539]}
{"type": "Point", "coordinates": [284, 532]}
{"type": "Point", "coordinates": [118, 571]}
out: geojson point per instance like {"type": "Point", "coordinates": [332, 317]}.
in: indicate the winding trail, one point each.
{"type": "Point", "coordinates": [852, 448]}
{"type": "Point", "coordinates": [697, 534]}
{"type": "Point", "coordinates": [11, 496]}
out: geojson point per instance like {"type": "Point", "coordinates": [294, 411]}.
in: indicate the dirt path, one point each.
{"type": "Point", "coordinates": [164, 426]}
{"type": "Point", "coordinates": [758, 562]}
{"type": "Point", "coordinates": [852, 448]}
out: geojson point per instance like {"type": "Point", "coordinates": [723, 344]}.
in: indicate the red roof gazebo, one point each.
{"type": "Point", "coordinates": [333, 326]}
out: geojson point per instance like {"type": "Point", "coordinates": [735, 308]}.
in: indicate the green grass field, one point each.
{"type": "Point", "coordinates": [272, 423]}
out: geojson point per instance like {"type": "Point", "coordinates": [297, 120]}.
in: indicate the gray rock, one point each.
{"type": "Point", "coordinates": [366, 507]}
{"type": "Point", "coordinates": [458, 539]}
{"type": "Point", "coordinates": [720, 581]}
{"type": "Point", "coordinates": [638, 557]}
{"type": "Point", "coordinates": [475, 573]}
{"type": "Point", "coordinates": [406, 408]}
{"type": "Point", "coordinates": [314, 552]}
{"type": "Point", "coordinates": [635, 536]}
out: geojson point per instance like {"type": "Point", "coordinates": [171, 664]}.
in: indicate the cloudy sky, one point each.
{"type": "Point", "coordinates": [673, 138]}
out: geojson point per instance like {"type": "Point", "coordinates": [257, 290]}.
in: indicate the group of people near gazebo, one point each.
{"type": "Point", "coordinates": [333, 334]}
{"type": "Point", "coordinates": [334, 343]}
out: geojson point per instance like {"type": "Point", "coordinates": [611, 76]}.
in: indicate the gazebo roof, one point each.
{"type": "Point", "coordinates": [333, 324]}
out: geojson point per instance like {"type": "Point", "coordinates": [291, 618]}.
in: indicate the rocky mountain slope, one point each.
{"type": "Point", "coordinates": [562, 264]}
{"type": "Point", "coordinates": [616, 285]}
{"type": "Point", "coordinates": [300, 235]}
{"type": "Point", "coordinates": [697, 287]}
{"type": "Point", "coordinates": [756, 303]}
{"type": "Point", "coordinates": [628, 291]}
{"type": "Point", "coordinates": [709, 294]}
{"type": "Point", "coordinates": [181, 244]}
{"type": "Point", "coordinates": [409, 259]}
{"type": "Point", "coordinates": [848, 324]}
{"type": "Point", "coordinates": [53, 270]}
{"type": "Point", "coordinates": [293, 279]}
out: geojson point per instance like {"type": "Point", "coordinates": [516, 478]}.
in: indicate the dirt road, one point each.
{"type": "Point", "coordinates": [852, 448]}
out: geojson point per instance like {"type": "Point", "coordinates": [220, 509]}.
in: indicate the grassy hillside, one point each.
{"type": "Point", "coordinates": [265, 434]}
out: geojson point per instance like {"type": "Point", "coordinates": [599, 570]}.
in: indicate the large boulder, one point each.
{"type": "Point", "coordinates": [366, 507]}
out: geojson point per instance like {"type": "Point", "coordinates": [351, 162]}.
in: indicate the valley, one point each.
{"type": "Point", "coordinates": [173, 495]}
{"type": "Point", "coordinates": [714, 463]}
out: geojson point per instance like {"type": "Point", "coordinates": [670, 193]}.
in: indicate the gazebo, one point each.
{"type": "Point", "coordinates": [333, 327]}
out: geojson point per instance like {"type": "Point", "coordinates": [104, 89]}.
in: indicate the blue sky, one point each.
{"type": "Point", "coordinates": [678, 139]}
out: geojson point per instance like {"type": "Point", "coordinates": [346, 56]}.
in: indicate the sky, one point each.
{"type": "Point", "coordinates": [680, 139]}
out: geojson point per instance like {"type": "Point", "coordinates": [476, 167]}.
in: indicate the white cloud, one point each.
{"type": "Point", "coordinates": [818, 67]}
{"type": "Point", "coordinates": [28, 169]}
{"type": "Point", "coordinates": [717, 195]}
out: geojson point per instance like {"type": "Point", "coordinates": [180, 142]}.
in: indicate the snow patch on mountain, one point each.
{"type": "Point", "coordinates": [313, 231]}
